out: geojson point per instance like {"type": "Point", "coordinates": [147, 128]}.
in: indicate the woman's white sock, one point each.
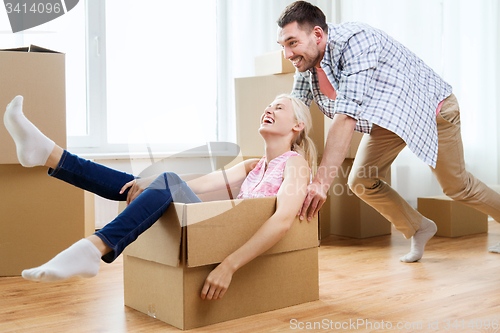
{"type": "Point", "coordinates": [33, 147]}
{"type": "Point", "coordinates": [427, 229]}
{"type": "Point", "coordinates": [80, 259]}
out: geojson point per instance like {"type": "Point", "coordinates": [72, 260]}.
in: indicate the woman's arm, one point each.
{"type": "Point", "coordinates": [290, 197]}
{"type": "Point", "coordinates": [215, 181]}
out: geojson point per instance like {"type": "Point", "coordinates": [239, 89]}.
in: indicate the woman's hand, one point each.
{"type": "Point", "coordinates": [217, 282]}
{"type": "Point", "coordinates": [137, 186]}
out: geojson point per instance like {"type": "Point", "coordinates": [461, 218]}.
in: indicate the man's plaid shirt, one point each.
{"type": "Point", "coordinates": [378, 81]}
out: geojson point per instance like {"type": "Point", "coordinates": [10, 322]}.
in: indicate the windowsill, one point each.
{"type": "Point", "coordinates": [138, 151]}
{"type": "Point", "coordinates": [133, 156]}
{"type": "Point", "coordinates": [155, 156]}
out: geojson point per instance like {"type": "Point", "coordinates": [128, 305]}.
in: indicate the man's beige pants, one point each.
{"type": "Point", "coordinates": [378, 150]}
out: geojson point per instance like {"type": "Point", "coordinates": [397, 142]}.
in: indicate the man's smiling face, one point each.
{"type": "Point", "coordinates": [300, 46]}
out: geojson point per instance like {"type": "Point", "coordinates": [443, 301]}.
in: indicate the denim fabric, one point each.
{"type": "Point", "coordinates": [145, 210]}
{"type": "Point", "coordinates": [92, 177]}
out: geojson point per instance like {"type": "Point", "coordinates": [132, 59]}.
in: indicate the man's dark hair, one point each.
{"type": "Point", "coordinates": [305, 14]}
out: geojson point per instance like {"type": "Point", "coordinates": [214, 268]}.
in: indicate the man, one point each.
{"type": "Point", "coordinates": [366, 81]}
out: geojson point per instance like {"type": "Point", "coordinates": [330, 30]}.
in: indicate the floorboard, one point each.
{"type": "Point", "coordinates": [363, 287]}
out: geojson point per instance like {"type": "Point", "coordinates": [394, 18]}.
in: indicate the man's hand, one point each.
{"type": "Point", "coordinates": [217, 282]}
{"type": "Point", "coordinates": [337, 143]}
{"type": "Point", "coordinates": [316, 197]}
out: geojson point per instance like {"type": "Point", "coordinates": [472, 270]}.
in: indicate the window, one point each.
{"type": "Point", "coordinates": [152, 78]}
{"type": "Point", "coordinates": [65, 34]}
{"type": "Point", "coordinates": [141, 76]}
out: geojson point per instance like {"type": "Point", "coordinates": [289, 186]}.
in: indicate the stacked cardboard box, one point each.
{"type": "Point", "coordinates": [350, 216]}
{"type": "Point", "coordinates": [166, 267]}
{"type": "Point", "coordinates": [452, 218]}
{"type": "Point", "coordinates": [40, 216]}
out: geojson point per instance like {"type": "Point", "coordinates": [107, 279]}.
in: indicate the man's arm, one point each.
{"type": "Point", "coordinates": [359, 62]}
{"type": "Point", "coordinates": [337, 143]}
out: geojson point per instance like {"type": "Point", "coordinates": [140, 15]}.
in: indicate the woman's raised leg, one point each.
{"type": "Point", "coordinates": [35, 149]}
{"type": "Point", "coordinates": [82, 258]}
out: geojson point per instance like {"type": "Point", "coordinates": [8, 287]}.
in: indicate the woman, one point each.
{"type": "Point", "coordinates": [289, 152]}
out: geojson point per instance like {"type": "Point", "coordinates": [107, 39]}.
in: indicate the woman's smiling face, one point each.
{"type": "Point", "coordinates": [278, 118]}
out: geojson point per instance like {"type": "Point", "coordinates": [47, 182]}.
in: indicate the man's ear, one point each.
{"type": "Point", "coordinates": [318, 33]}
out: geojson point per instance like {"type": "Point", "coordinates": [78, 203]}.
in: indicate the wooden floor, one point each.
{"type": "Point", "coordinates": [456, 285]}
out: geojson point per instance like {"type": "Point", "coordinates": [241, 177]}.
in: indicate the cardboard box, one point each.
{"type": "Point", "coordinates": [40, 217]}
{"type": "Point", "coordinates": [273, 63]}
{"type": "Point", "coordinates": [166, 267]}
{"type": "Point", "coordinates": [38, 75]}
{"type": "Point", "coordinates": [452, 218]}
{"type": "Point", "coordinates": [349, 215]}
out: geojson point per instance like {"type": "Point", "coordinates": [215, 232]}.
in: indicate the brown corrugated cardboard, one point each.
{"type": "Point", "coordinates": [324, 218]}
{"type": "Point", "coordinates": [349, 215]}
{"type": "Point", "coordinates": [164, 270]}
{"type": "Point", "coordinates": [253, 95]}
{"type": "Point", "coordinates": [273, 63]}
{"type": "Point", "coordinates": [41, 216]}
{"type": "Point", "coordinates": [38, 75]}
{"type": "Point", "coordinates": [452, 218]}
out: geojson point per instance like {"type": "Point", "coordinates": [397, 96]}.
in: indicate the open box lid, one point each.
{"type": "Point", "coordinates": [31, 48]}
{"type": "Point", "coordinates": [208, 232]}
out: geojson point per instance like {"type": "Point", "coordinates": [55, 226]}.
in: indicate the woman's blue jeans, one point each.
{"type": "Point", "coordinates": [145, 210]}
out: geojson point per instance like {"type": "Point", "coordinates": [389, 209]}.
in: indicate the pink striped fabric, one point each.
{"type": "Point", "coordinates": [262, 182]}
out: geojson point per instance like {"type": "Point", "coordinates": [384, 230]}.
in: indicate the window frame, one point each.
{"type": "Point", "coordinates": [95, 143]}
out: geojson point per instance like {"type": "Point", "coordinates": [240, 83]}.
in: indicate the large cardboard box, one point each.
{"type": "Point", "coordinates": [349, 215]}
{"type": "Point", "coordinates": [38, 75]}
{"type": "Point", "coordinates": [273, 63]}
{"type": "Point", "coordinates": [452, 218]}
{"type": "Point", "coordinates": [40, 217]}
{"type": "Point", "coordinates": [166, 267]}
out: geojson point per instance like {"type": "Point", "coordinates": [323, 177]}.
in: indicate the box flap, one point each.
{"type": "Point", "coordinates": [162, 242]}
{"type": "Point", "coordinates": [31, 48]}
{"type": "Point", "coordinates": [438, 197]}
{"type": "Point", "coordinates": [217, 229]}
{"type": "Point", "coordinates": [17, 49]}
{"type": "Point", "coordinates": [35, 48]}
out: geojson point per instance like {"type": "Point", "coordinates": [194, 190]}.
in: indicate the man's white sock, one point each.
{"type": "Point", "coordinates": [427, 229]}
{"type": "Point", "coordinates": [495, 248]}
{"type": "Point", "coordinates": [80, 259]}
{"type": "Point", "coordinates": [33, 147]}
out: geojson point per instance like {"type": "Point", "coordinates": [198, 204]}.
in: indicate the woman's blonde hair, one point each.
{"type": "Point", "coordinates": [303, 144]}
